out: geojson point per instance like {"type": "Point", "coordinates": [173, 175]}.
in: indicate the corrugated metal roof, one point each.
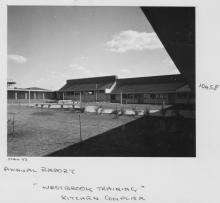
{"type": "Point", "coordinates": [147, 88]}
{"type": "Point", "coordinates": [152, 79]}
{"type": "Point", "coordinates": [103, 79]}
{"type": "Point", "coordinates": [85, 87]}
{"type": "Point", "coordinates": [164, 83]}
{"type": "Point", "coordinates": [86, 84]}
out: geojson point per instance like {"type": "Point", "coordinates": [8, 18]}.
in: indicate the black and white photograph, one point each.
{"type": "Point", "coordinates": [101, 81]}
{"type": "Point", "coordinates": [109, 101]}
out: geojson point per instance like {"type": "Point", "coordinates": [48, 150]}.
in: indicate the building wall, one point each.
{"type": "Point", "coordinates": [153, 98]}
{"type": "Point", "coordinates": [11, 95]}
{"type": "Point", "coordinates": [25, 101]}
{"type": "Point", "coordinates": [184, 98]}
{"type": "Point", "coordinates": [20, 95]}
{"type": "Point", "coordinates": [23, 96]}
{"type": "Point", "coordinates": [85, 96]}
{"type": "Point", "coordinates": [159, 98]}
{"type": "Point", "coordinates": [50, 95]}
{"type": "Point", "coordinates": [140, 98]}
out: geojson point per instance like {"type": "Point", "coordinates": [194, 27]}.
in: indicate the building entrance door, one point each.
{"type": "Point", "coordinates": [140, 98]}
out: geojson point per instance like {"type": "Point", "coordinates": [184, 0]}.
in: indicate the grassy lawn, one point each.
{"type": "Point", "coordinates": [38, 132]}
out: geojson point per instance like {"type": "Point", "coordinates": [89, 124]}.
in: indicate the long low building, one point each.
{"type": "Point", "coordinates": [168, 89]}
{"type": "Point", "coordinates": [28, 95]}
{"type": "Point", "coordinates": [94, 89]}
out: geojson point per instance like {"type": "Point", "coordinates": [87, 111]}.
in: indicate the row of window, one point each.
{"type": "Point", "coordinates": [146, 96]}
{"type": "Point", "coordinates": [84, 92]}
{"type": "Point", "coordinates": [134, 96]}
{"type": "Point", "coordinates": [165, 96]}
{"type": "Point", "coordinates": [155, 96]}
{"type": "Point", "coordinates": [185, 96]}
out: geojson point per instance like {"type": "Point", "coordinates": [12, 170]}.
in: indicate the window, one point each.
{"type": "Point", "coordinates": [146, 96]}
{"type": "Point", "coordinates": [182, 95]}
{"type": "Point", "coordinates": [152, 96]}
{"type": "Point", "coordinates": [131, 96]}
{"type": "Point", "coordinates": [157, 96]}
{"type": "Point", "coordinates": [69, 93]}
{"type": "Point", "coordinates": [124, 96]}
{"type": "Point", "coordinates": [113, 97]}
{"type": "Point", "coordinates": [164, 96]}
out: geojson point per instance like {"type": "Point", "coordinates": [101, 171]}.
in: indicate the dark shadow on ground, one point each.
{"type": "Point", "coordinates": [145, 137]}
{"type": "Point", "coordinates": [182, 107]}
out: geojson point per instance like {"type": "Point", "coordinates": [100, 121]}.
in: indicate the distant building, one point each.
{"type": "Point", "coordinates": [168, 89]}
{"type": "Point", "coordinates": [94, 89]}
{"type": "Point", "coordinates": [25, 95]}
{"type": "Point", "coordinates": [11, 84]}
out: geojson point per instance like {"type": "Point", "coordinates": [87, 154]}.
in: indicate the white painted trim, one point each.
{"type": "Point", "coordinates": [108, 91]}
{"type": "Point", "coordinates": [27, 90]}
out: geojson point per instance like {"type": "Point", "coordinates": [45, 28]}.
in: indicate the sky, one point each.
{"type": "Point", "coordinates": [49, 44]}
